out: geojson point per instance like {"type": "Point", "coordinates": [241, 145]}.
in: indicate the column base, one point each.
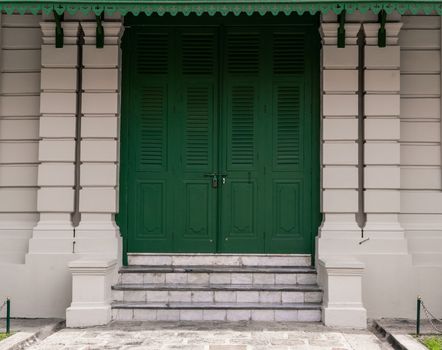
{"type": "Point", "coordinates": [53, 234]}
{"type": "Point", "coordinates": [86, 316]}
{"type": "Point", "coordinates": [345, 317]}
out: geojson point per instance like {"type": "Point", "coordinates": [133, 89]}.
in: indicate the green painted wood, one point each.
{"type": "Point", "coordinates": [213, 7]}
{"type": "Point", "coordinates": [232, 100]}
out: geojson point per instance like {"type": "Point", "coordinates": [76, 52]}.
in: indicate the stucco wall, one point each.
{"type": "Point", "coordinates": [421, 196]}
{"type": "Point", "coordinates": [19, 124]}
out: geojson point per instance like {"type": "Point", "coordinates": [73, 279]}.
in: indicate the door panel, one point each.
{"type": "Point", "coordinates": [226, 100]}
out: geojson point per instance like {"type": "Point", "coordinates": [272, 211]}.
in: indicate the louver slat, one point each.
{"type": "Point", "coordinates": [152, 53]}
{"type": "Point", "coordinates": [198, 53]}
{"type": "Point", "coordinates": [288, 145]}
{"type": "Point", "coordinates": [197, 146]}
{"type": "Point", "coordinates": [243, 53]}
{"type": "Point", "coordinates": [288, 53]}
{"type": "Point", "coordinates": [242, 127]}
{"type": "Point", "coordinates": [152, 128]}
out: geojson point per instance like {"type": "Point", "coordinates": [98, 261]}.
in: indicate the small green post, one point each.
{"type": "Point", "coordinates": [8, 316]}
{"type": "Point", "coordinates": [418, 316]}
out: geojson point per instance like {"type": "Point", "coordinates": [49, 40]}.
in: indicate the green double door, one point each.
{"type": "Point", "coordinates": [219, 139]}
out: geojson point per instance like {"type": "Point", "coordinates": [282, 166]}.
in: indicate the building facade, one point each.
{"type": "Point", "coordinates": [305, 129]}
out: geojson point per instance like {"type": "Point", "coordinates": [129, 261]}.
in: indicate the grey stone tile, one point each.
{"type": "Point", "coordinates": [238, 315]}
{"type": "Point", "coordinates": [157, 296]}
{"type": "Point", "coordinates": [225, 297]}
{"type": "Point", "coordinates": [178, 278]}
{"type": "Point", "coordinates": [306, 278]}
{"type": "Point", "coordinates": [155, 278]}
{"type": "Point", "coordinates": [309, 315]}
{"type": "Point", "coordinates": [191, 315]}
{"type": "Point", "coordinates": [247, 296]}
{"type": "Point", "coordinates": [180, 296]}
{"type": "Point", "coordinates": [202, 296]}
{"type": "Point", "coordinates": [198, 278]}
{"type": "Point", "coordinates": [168, 315]}
{"type": "Point", "coordinates": [134, 295]}
{"type": "Point", "coordinates": [313, 297]}
{"type": "Point", "coordinates": [263, 315]}
{"type": "Point", "coordinates": [214, 315]}
{"type": "Point", "coordinates": [286, 315]}
{"type": "Point", "coordinates": [285, 278]}
{"type": "Point", "coordinates": [125, 314]}
{"type": "Point", "coordinates": [145, 314]}
{"type": "Point", "coordinates": [132, 278]}
{"type": "Point", "coordinates": [292, 297]}
{"type": "Point", "coordinates": [242, 278]}
{"type": "Point", "coordinates": [269, 297]}
{"type": "Point", "coordinates": [220, 278]}
{"type": "Point", "coordinates": [263, 278]}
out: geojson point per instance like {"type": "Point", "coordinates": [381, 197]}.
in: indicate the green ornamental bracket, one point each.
{"type": "Point", "coordinates": [341, 29]}
{"type": "Point", "coordinates": [59, 34]}
{"type": "Point", "coordinates": [99, 42]}
{"type": "Point", "coordinates": [382, 33]}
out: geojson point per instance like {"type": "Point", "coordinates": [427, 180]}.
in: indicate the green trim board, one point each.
{"type": "Point", "coordinates": [209, 108]}
{"type": "Point", "coordinates": [213, 7]}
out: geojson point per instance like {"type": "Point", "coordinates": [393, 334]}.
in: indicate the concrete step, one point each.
{"type": "Point", "coordinates": [210, 275]}
{"type": "Point", "coordinates": [217, 293]}
{"type": "Point", "coordinates": [299, 312]}
{"type": "Point", "coordinates": [219, 259]}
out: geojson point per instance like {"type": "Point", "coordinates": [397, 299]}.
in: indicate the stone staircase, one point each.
{"type": "Point", "coordinates": [200, 287]}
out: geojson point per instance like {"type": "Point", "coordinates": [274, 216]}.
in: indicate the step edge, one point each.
{"type": "Point", "coordinates": [220, 306]}
{"type": "Point", "coordinates": [218, 287]}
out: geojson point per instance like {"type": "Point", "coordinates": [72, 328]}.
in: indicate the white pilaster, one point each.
{"type": "Point", "coordinates": [97, 232]}
{"type": "Point", "coordinates": [58, 99]}
{"type": "Point", "coordinates": [339, 136]}
{"type": "Point", "coordinates": [382, 137]}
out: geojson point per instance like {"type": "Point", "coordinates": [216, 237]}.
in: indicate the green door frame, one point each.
{"type": "Point", "coordinates": [126, 109]}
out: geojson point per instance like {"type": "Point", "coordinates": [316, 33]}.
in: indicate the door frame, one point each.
{"type": "Point", "coordinates": [193, 20]}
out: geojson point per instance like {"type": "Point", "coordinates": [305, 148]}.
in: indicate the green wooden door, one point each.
{"type": "Point", "coordinates": [226, 100]}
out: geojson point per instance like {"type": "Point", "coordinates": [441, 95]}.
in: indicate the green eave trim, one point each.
{"type": "Point", "coordinates": [213, 7]}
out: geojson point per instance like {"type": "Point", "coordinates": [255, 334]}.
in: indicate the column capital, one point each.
{"type": "Point", "coordinates": [371, 33]}
{"type": "Point", "coordinates": [113, 32]}
{"type": "Point", "coordinates": [329, 33]}
{"type": "Point", "coordinates": [70, 31]}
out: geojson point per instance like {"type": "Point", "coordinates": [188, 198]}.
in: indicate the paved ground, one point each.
{"type": "Point", "coordinates": [210, 336]}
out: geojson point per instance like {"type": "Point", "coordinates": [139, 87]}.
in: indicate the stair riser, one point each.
{"type": "Point", "coordinates": [216, 315]}
{"type": "Point", "coordinates": [206, 279]}
{"type": "Point", "coordinates": [219, 260]}
{"type": "Point", "coordinates": [218, 296]}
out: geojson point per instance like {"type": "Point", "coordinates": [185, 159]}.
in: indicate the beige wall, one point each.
{"type": "Point", "coordinates": [19, 124]}
{"type": "Point", "coordinates": [421, 196]}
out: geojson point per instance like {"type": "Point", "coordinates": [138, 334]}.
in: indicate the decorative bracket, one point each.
{"type": "Point", "coordinates": [99, 42]}
{"type": "Point", "coordinates": [341, 29]}
{"type": "Point", "coordinates": [382, 33]}
{"type": "Point", "coordinates": [59, 33]}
